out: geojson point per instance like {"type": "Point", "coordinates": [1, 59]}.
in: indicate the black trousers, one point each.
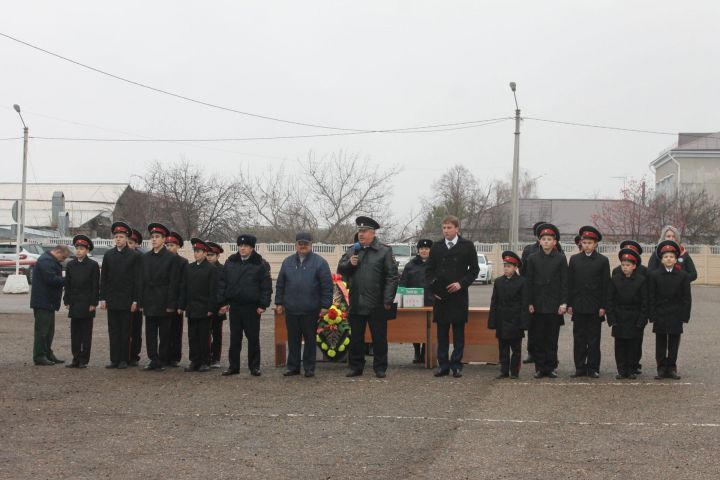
{"type": "Point", "coordinates": [216, 332]}
{"type": "Point", "coordinates": [175, 339]}
{"type": "Point", "coordinates": [626, 355]}
{"type": "Point", "coordinates": [546, 329]}
{"type": "Point", "coordinates": [510, 363]}
{"type": "Point", "coordinates": [301, 327]}
{"type": "Point", "coordinates": [244, 319]}
{"type": "Point", "coordinates": [666, 351]}
{"type": "Point", "coordinates": [419, 349]}
{"type": "Point", "coordinates": [454, 361]}
{"type": "Point", "coordinates": [531, 337]}
{"type": "Point", "coordinates": [198, 336]}
{"type": "Point", "coordinates": [157, 331]}
{"type": "Point", "coordinates": [378, 331]}
{"type": "Point", "coordinates": [119, 333]}
{"type": "Point", "coordinates": [136, 333]}
{"type": "Point", "coordinates": [638, 350]}
{"type": "Point", "coordinates": [587, 330]}
{"type": "Point", "coordinates": [81, 339]}
{"type": "Point", "coordinates": [44, 334]}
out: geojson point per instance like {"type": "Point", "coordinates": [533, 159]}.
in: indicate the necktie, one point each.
{"type": "Point", "coordinates": [450, 245]}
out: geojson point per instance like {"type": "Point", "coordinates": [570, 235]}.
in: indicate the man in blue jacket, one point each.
{"type": "Point", "coordinates": [45, 298]}
{"type": "Point", "coordinates": [303, 293]}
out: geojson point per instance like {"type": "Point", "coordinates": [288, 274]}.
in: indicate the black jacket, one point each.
{"type": "Point", "coordinates": [245, 283]}
{"type": "Point", "coordinates": [588, 280]}
{"type": "Point", "coordinates": [182, 266]}
{"type": "Point", "coordinates": [47, 285]}
{"type": "Point", "coordinates": [219, 266]}
{"type": "Point", "coordinates": [373, 281]}
{"type": "Point", "coordinates": [414, 276]}
{"type": "Point", "coordinates": [547, 276]}
{"type": "Point", "coordinates": [627, 308]}
{"type": "Point", "coordinates": [670, 300]}
{"type": "Point", "coordinates": [121, 278]}
{"type": "Point", "coordinates": [459, 264]}
{"type": "Point", "coordinates": [684, 260]}
{"type": "Point", "coordinates": [161, 283]}
{"type": "Point", "coordinates": [82, 287]}
{"type": "Point", "coordinates": [641, 269]}
{"type": "Point", "coordinates": [509, 315]}
{"type": "Point", "coordinates": [198, 295]}
{"type": "Point", "coordinates": [529, 250]}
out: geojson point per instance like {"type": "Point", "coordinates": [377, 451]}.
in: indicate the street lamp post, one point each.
{"type": "Point", "coordinates": [18, 283]}
{"type": "Point", "coordinates": [515, 215]}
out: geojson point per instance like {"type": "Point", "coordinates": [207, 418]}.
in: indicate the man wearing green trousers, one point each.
{"type": "Point", "coordinates": [45, 300]}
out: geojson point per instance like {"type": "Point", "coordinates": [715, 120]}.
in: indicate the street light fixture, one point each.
{"type": "Point", "coordinates": [515, 214]}
{"type": "Point", "coordinates": [18, 283]}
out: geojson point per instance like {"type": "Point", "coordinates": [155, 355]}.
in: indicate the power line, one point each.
{"type": "Point", "coordinates": [608, 127]}
{"type": "Point", "coordinates": [216, 106]}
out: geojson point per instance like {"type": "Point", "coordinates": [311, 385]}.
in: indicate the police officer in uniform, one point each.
{"type": "Point", "coordinates": [136, 318]}
{"type": "Point", "coordinates": [174, 242]}
{"type": "Point", "coordinates": [82, 292]}
{"type": "Point", "coordinates": [372, 275]}
{"type": "Point", "coordinates": [547, 276]}
{"type": "Point", "coordinates": [216, 329]}
{"type": "Point", "coordinates": [414, 276]}
{"type": "Point", "coordinates": [120, 292]}
{"type": "Point", "coordinates": [588, 282]}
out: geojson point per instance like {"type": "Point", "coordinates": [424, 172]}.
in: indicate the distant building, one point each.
{"type": "Point", "coordinates": [693, 163]}
{"type": "Point", "coordinates": [64, 208]}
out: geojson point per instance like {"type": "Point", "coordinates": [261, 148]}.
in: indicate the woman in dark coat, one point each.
{"type": "Point", "coordinates": [684, 260]}
{"type": "Point", "coordinates": [509, 315]}
{"type": "Point", "coordinates": [627, 311]}
{"type": "Point", "coordinates": [413, 276]}
{"type": "Point", "coordinates": [670, 304]}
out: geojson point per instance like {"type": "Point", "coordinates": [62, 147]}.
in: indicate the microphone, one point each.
{"type": "Point", "coordinates": [357, 247]}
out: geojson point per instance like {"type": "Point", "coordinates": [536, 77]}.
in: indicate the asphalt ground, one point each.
{"type": "Point", "coordinates": [98, 423]}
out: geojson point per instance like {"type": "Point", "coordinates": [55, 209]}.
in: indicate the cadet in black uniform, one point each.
{"type": "Point", "coordinates": [120, 290]}
{"type": "Point", "coordinates": [641, 270]}
{"type": "Point", "coordinates": [527, 251]}
{"type": "Point", "coordinates": [547, 277]}
{"type": "Point", "coordinates": [216, 332]}
{"type": "Point", "coordinates": [159, 300]}
{"type": "Point", "coordinates": [82, 292]}
{"type": "Point", "coordinates": [136, 318]}
{"type": "Point", "coordinates": [670, 303]}
{"type": "Point", "coordinates": [174, 242]}
{"type": "Point", "coordinates": [245, 287]}
{"type": "Point", "coordinates": [588, 280]}
{"type": "Point", "coordinates": [197, 299]}
{"type": "Point", "coordinates": [413, 276]}
{"type": "Point", "coordinates": [627, 311]}
{"type": "Point", "coordinates": [509, 315]}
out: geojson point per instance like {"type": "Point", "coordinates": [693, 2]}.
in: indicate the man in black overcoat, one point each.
{"type": "Point", "coordinates": [452, 269]}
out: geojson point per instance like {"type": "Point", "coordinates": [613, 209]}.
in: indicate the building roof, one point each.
{"type": "Point", "coordinates": [83, 201]}
{"type": "Point", "coordinates": [690, 144]}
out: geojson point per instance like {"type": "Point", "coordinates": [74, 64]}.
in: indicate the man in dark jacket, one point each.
{"type": "Point", "coordinates": [372, 275]}
{"type": "Point", "coordinates": [414, 276]}
{"type": "Point", "coordinates": [198, 297]}
{"type": "Point", "coordinates": [120, 291]}
{"type": "Point", "coordinates": [45, 297]}
{"type": "Point", "coordinates": [670, 304]}
{"type": "Point", "coordinates": [527, 251]}
{"type": "Point", "coordinates": [509, 315]}
{"type": "Point", "coordinates": [136, 318]}
{"type": "Point", "coordinates": [303, 292]}
{"type": "Point", "coordinates": [452, 269]}
{"type": "Point", "coordinates": [82, 292]}
{"type": "Point", "coordinates": [216, 329]}
{"type": "Point", "coordinates": [245, 289]}
{"type": "Point", "coordinates": [588, 281]}
{"type": "Point", "coordinates": [174, 242]}
{"type": "Point", "coordinates": [161, 281]}
{"type": "Point", "coordinates": [627, 311]}
{"type": "Point", "coordinates": [547, 276]}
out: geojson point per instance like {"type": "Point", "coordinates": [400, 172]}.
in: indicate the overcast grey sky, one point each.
{"type": "Point", "coordinates": [366, 65]}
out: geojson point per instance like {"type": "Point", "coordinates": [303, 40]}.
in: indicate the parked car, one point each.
{"type": "Point", "coordinates": [403, 254]}
{"type": "Point", "coordinates": [485, 275]}
{"type": "Point", "coordinates": [28, 258]}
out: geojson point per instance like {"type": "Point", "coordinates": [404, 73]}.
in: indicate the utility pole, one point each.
{"type": "Point", "coordinates": [515, 215]}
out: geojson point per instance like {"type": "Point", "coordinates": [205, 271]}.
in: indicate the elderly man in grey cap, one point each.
{"type": "Point", "coordinates": [303, 292]}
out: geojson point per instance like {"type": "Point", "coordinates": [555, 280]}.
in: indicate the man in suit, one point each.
{"type": "Point", "coordinates": [45, 298]}
{"type": "Point", "coordinates": [452, 268]}
{"type": "Point", "coordinates": [82, 289]}
{"type": "Point", "coordinates": [120, 290]}
{"type": "Point", "coordinates": [372, 275]}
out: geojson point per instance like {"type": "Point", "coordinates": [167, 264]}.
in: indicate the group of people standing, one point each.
{"type": "Point", "coordinates": [533, 294]}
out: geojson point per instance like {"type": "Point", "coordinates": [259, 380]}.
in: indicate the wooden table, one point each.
{"type": "Point", "coordinates": [415, 325]}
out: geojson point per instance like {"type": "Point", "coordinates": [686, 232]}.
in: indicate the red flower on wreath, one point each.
{"type": "Point", "coordinates": [332, 314]}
